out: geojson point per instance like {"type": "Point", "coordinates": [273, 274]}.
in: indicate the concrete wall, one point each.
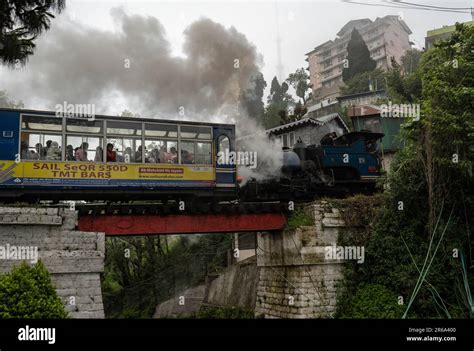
{"type": "Point", "coordinates": [74, 259]}
{"type": "Point", "coordinates": [182, 304]}
{"type": "Point", "coordinates": [295, 279]}
{"type": "Point", "coordinates": [236, 286]}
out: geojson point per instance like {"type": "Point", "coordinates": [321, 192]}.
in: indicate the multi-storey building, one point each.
{"type": "Point", "coordinates": [443, 33]}
{"type": "Point", "coordinates": [385, 37]}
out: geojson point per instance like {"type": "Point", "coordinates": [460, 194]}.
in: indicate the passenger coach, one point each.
{"type": "Point", "coordinates": [45, 156]}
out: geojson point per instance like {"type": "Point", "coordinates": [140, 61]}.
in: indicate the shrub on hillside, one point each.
{"type": "Point", "coordinates": [374, 301]}
{"type": "Point", "coordinates": [27, 292]}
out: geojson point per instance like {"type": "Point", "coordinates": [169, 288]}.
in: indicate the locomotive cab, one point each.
{"type": "Point", "coordinates": [354, 157]}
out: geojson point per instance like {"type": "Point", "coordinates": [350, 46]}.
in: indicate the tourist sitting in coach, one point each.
{"type": "Point", "coordinates": [129, 157]}
{"type": "Point", "coordinates": [54, 152]}
{"type": "Point", "coordinates": [99, 154]}
{"type": "Point", "coordinates": [70, 153]}
{"type": "Point", "coordinates": [111, 154]}
{"type": "Point", "coordinates": [173, 157]}
{"type": "Point", "coordinates": [187, 157]}
{"type": "Point", "coordinates": [27, 154]}
{"type": "Point", "coordinates": [45, 149]}
{"type": "Point", "coordinates": [81, 153]}
{"type": "Point", "coordinates": [163, 155]}
{"type": "Point", "coordinates": [154, 156]}
{"type": "Point", "coordinates": [40, 155]}
{"type": "Point", "coordinates": [138, 155]}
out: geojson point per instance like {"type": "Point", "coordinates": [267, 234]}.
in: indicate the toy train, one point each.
{"type": "Point", "coordinates": [51, 156]}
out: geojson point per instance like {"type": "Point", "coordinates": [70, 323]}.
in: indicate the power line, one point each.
{"type": "Point", "coordinates": [431, 6]}
{"type": "Point", "coordinates": [401, 6]}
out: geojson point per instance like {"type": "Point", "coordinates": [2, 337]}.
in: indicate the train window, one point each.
{"type": "Point", "coordinates": [125, 150]}
{"type": "Point", "coordinates": [41, 147]}
{"type": "Point", "coordinates": [195, 132]}
{"type": "Point", "coordinates": [124, 128]}
{"type": "Point", "coordinates": [43, 123]}
{"type": "Point", "coordinates": [84, 148]}
{"type": "Point", "coordinates": [83, 126]}
{"type": "Point", "coordinates": [223, 144]}
{"type": "Point", "coordinates": [161, 151]}
{"type": "Point", "coordinates": [161, 130]}
{"type": "Point", "coordinates": [187, 152]}
{"type": "Point", "coordinates": [203, 153]}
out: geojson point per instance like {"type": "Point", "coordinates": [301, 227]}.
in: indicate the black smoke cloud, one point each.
{"type": "Point", "coordinates": [81, 64]}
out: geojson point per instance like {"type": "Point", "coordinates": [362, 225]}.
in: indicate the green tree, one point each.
{"type": "Point", "coordinates": [410, 61]}
{"type": "Point", "coordinates": [27, 292]}
{"type": "Point", "coordinates": [375, 301]}
{"type": "Point", "coordinates": [444, 140]}
{"type": "Point", "coordinates": [362, 81]}
{"type": "Point", "coordinates": [5, 102]}
{"type": "Point", "coordinates": [278, 103]}
{"type": "Point", "coordinates": [358, 57]}
{"type": "Point", "coordinates": [404, 80]}
{"type": "Point", "coordinates": [299, 81]}
{"type": "Point", "coordinates": [429, 187]}
{"type": "Point", "coordinates": [142, 272]}
{"type": "Point", "coordinates": [251, 100]}
{"type": "Point", "coordinates": [21, 21]}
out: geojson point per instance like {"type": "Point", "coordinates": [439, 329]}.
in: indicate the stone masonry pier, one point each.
{"type": "Point", "coordinates": [294, 278]}
{"type": "Point", "coordinates": [75, 259]}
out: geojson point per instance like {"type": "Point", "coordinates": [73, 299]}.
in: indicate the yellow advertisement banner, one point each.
{"type": "Point", "coordinates": [10, 170]}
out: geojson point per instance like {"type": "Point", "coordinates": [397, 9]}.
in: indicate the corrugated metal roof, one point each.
{"type": "Point", "coordinates": [312, 120]}
{"type": "Point", "coordinates": [293, 124]}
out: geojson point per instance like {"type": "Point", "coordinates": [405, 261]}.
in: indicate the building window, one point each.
{"type": "Point", "coordinates": [372, 33]}
{"type": "Point", "coordinates": [288, 139]}
{"type": "Point", "coordinates": [285, 140]}
{"type": "Point", "coordinates": [326, 54]}
{"type": "Point", "coordinates": [373, 125]}
{"type": "Point", "coordinates": [327, 74]}
{"type": "Point", "coordinates": [327, 64]}
{"type": "Point", "coordinates": [292, 139]}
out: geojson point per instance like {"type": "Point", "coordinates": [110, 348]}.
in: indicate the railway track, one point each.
{"type": "Point", "coordinates": [98, 209]}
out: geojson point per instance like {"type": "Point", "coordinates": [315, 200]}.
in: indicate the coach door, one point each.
{"type": "Point", "coordinates": [225, 161]}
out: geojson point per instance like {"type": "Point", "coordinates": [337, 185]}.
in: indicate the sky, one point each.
{"type": "Point", "coordinates": [302, 26]}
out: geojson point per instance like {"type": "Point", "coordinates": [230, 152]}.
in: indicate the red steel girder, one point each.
{"type": "Point", "coordinates": [181, 224]}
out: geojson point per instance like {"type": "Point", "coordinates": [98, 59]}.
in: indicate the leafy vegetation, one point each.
{"type": "Point", "coordinates": [374, 301]}
{"type": "Point", "coordinates": [299, 218]}
{"type": "Point", "coordinates": [5, 102]}
{"type": "Point", "coordinates": [20, 24]}
{"type": "Point", "coordinates": [424, 215]}
{"type": "Point", "coordinates": [27, 292]}
{"type": "Point", "coordinates": [142, 272]}
{"type": "Point", "coordinates": [361, 82]}
{"type": "Point", "coordinates": [358, 57]}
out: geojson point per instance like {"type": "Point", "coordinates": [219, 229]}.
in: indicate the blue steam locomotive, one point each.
{"type": "Point", "coordinates": [340, 165]}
